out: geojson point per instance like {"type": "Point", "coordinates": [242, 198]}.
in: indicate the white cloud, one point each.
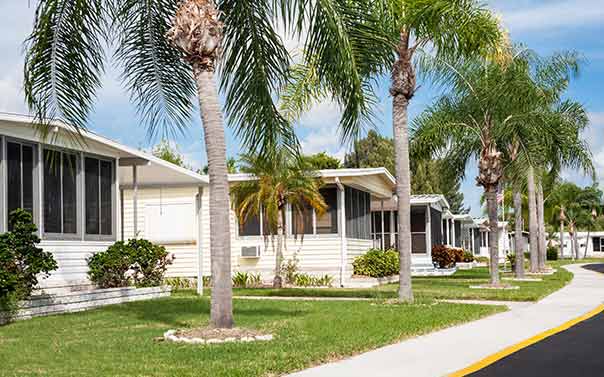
{"type": "Point", "coordinates": [523, 16]}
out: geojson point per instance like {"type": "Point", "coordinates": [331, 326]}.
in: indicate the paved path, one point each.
{"type": "Point", "coordinates": [443, 352]}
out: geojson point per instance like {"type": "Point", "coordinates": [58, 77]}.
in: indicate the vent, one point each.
{"type": "Point", "coordinates": [250, 252]}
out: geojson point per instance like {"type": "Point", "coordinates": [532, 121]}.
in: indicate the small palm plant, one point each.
{"type": "Point", "coordinates": [275, 183]}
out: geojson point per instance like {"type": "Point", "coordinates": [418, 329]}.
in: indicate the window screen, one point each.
{"type": "Point", "coordinates": [251, 226]}
{"type": "Point", "coordinates": [328, 223]}
{"type": "Point", "coordinates": [302, 220]}
{"type": "Point", "coordinates": [358, 214]}
{"type": "Point", "coordinates": [20, 177]}
{"type": "Point", "coordinates": [60, 192]}
{"type": "Point", "coordinates": [99, 194]}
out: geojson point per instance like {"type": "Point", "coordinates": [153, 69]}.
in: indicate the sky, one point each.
{"type": "Point", "coordinates": [543, 25]}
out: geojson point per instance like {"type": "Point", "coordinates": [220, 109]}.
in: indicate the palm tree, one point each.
{"type": "Point", "coordinates": [281, 179]}
{"type": "Point", "coordinates": [171, 54]}
{"type": "Point", "coordinates": [400, 29]}
{"type": "Point", "coordinates": [492, 105]}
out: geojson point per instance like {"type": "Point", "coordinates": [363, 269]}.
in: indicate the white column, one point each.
{"type": "Point", "coordinates": [135, 200]}
{"type": "Point", "coordinates": [472, 240]}
{"type": "Point", "coordinates": [199, 242]}
{"type": "Point", "coordinates": [393, 230]}
{"type": "Point", "coordinates": [119, 207]}
{"type": "Point", "coordinates": [383, 241]}
{"type": "Point", "coordinates": [428, 231]}
{"type": "Point", "coordinates": [453, 233]}
{"type": "Point", "coordinates": [343, 239]}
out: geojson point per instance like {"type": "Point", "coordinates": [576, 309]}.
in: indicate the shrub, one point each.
{"type": "Point", "coordinates": [377, 263]}
{"type": "Point", "coordinates": [512, 259]}
{"type": "Point", "coordinates": [109, 269]}
{"type": "Point", "coordinates": [289, 269]}
{"type": "Point", "coordinates": [481, 259]}
{"type": "Point", "coordinates": [240, 279]}
{"type": "Point", "coordinates": [207, 281]}
{"type": "Point", "coordinates": [181, 283]}
{"type": "Point", "coordinates": [21, 261]}
{"type": "Point", "coordinates": [444, 256]}
{"type": "Point", "coordinates": [458, 252]}
{"type": "Point", "coordinates": [149, 262]}
{"type": "Point", "coordinates": [254, 280]}
{"type": "Point", "coordinates": [552, 253]}
{"type": "Point", "coordinates": [139, 260]}
{"type": "Point", "coordinates": [468, 257]}
{"type": "Point", "coordinates": [306, 280]}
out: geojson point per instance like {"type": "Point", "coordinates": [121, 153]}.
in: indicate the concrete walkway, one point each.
{"type": "Point", "coordinates": [444, 352]}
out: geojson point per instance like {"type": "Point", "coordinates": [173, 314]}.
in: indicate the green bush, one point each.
{"type": "Point", "coordinates": [444, 256]}
{"type": "Point", "coordinates": [180, 283]}
{"type": "Point", "coordinates": [137, 260]}
{"type": "Point", "coordinates": [481, 259]}
{"type": "Point", "coordinates": [21, 261]}
{"type": "Point", "coordinates": [149, 262]}
{"type": "Point", "coordinates": [289, 269]}
{"type": "Point", "coordinates": [552, 253]}
{"type": "Point", "coordinates": [377, 263]}
{"type": "Point", "coordinates": [109, 269]}
{"type": "Point", "coordinates": [306, 280]}
{"type": "Point", "coordinates": [468, 257]}
{"type": "Point", "coordinates": [512, 259]}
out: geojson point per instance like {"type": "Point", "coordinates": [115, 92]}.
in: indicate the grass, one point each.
{"type": "Point", "coordinates": [444, 287]}
{"type": "Point", "coordinates": [118, 340]}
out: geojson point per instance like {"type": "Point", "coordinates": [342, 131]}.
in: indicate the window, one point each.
{"type": "Point", "coordinates": [302, 220]}
{"type": "Point", "coordinates": [98, 196]}
{"type": "Point", "coordinates": [328, 223]}
{"type": "Point", "coordinates": [60, 192]}
{"type": "Point", "coordinates": [163, 223]}
{"type": "Point", "coordinates": [19, 177]}
{"type": "Point", "coordinates": [418, 230]}
{"type": "Point", "coordinates": [358, 214]}
{"type": "Point", "coordinates": [251, 227]}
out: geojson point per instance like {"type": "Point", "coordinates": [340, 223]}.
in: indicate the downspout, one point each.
{"type": "Point", "coordinates": [343, 239]}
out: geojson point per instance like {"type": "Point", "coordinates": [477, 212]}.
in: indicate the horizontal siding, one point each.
{"type": "Point", "coordinates": [356, 248]}
{"type": "Point", "coordinates": [71, 258]}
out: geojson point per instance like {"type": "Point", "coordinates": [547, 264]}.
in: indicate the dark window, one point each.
{"type": "Point", "coordinates": [302, 220]}
{"type": "Point", "coordinates": [435, 223]}
{"type": "Point", "coordinates": [377, 222]}
{"type": "Point", "coordinates": [418, 219]}
{"type": "Point", "coordinates": [60, 198]}
{"type": "Point", "coordinates": [99, 194]}
{"type": "Point", "coordinates": [328, 223]}
{"type": "Point", "coordinates": [358, 210]}
{"type": "Point", "coordinates": [251, 227]}
{"type": "Point", "coordinates": [20, 177]}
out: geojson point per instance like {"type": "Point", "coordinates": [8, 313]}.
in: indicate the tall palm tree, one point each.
{"type": "Point", "coordinates": [491, 105]}
{"type": "Point", "coordinates": [400, 29]}
{"type": "Point", "coordinates": [172, 53]}
{"type": "Point", "coordinates": [281, 179]}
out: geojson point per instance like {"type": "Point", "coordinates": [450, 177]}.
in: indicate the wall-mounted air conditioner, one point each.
{"type": "Point", "coordinates": [250, 251]}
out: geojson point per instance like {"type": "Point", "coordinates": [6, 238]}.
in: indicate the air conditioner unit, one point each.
{"type": "Point", "coordinates": [250, 251]}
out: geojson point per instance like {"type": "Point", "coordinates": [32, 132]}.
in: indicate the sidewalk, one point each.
{"type": "Point", "coordinates": [443, 352]}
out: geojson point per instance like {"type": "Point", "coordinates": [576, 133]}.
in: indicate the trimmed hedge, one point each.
{"type": "Point", "coordinates": [377, 263]}
{"type": "Point", "coordinates": [446, 257]}
{"type": "Point", "coordinates": [552, 253]}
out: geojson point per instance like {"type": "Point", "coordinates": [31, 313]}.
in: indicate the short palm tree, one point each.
{"type": "Point", "coordinates": [171, 54]}
{"type": "Point", "coordinates": [388, 36]}
{"type": "Point", "coordinates": [494, 113]}
{"type": "Point", "coordinates": [280, 180]}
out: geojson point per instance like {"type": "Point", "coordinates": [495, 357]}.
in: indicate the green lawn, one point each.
{"type": "Point", "coordinates": [451, 287]}
{"type": "Point", "coordinates": [118, 340]}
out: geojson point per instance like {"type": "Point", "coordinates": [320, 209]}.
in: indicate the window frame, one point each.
{"type": "Point", "coordinates": [82, 183]}
{"type": "Point", "coordinates": [35, 179]}
{"type": "Point", "coordinates": [3, 186]}
{"type": "Point", "coordinates": [79, 196]}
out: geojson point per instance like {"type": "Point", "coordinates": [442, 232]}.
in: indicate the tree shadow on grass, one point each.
{"type": "Point", "coordinates": [179, 312]}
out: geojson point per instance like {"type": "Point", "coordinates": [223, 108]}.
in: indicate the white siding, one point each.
{"type": "Point", "coordinates": [71, 257]}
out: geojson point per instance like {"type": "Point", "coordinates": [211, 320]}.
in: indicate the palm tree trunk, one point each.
{"type": "Point", "coordinates": [278, 280]}
{"type": "Point", "coordinates": [491, 196]}
{"type": "Point", "coordinates": [518, 233]}
{"type": "Point", "coordinates": [402, 89]}
{"type": "Point", "coordinates": [221, 313]}
{"type": "Point", "coordinates": [561, 239]}
{"type": "Point", "coordinates": [587, 243]}
{"type": "Point", "coordinates": [541, 227]}
{"type": "Point", "coordinates": [533, 225]}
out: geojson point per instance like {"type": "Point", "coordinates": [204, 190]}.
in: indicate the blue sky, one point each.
{"type": "Point", "coordinates": [544, 25]}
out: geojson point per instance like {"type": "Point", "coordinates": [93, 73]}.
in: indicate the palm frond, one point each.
{"type": "Point", "coordinates": [158, 79]}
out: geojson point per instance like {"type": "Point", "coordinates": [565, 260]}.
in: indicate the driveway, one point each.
{"type": "Point", "coordinates": [445, 352]}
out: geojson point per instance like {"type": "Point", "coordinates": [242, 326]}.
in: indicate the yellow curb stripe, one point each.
{"type": "Point", "coordinates": [525, 343]}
